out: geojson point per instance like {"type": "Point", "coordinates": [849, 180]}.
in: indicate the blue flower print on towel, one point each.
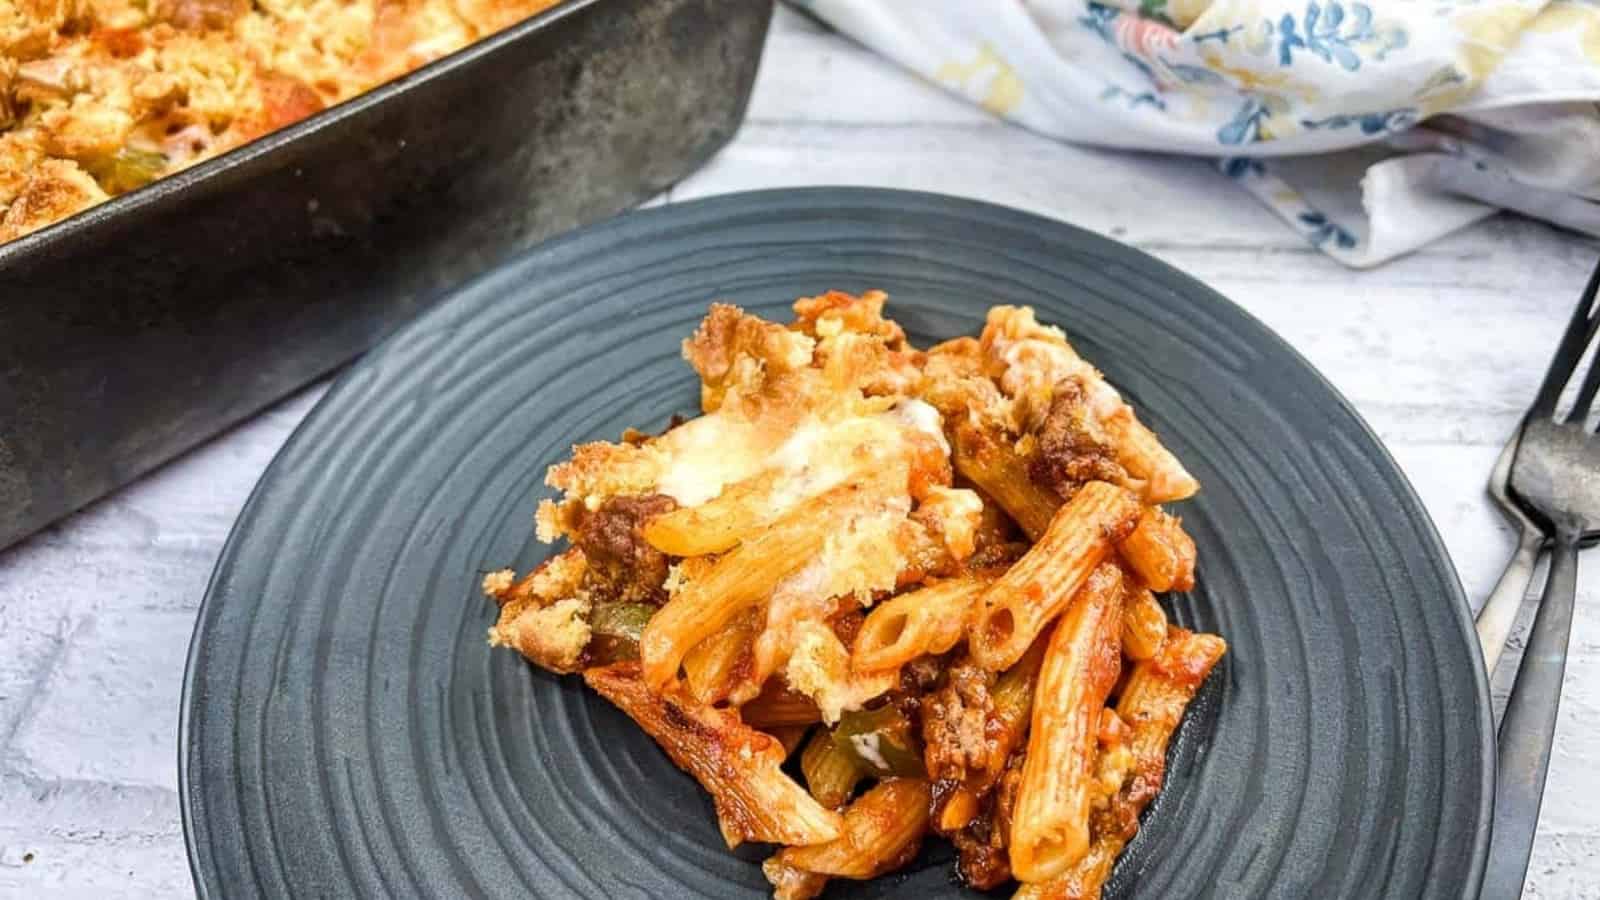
{"type": "Point", "coordinates": [1321, 229]}
{"type": "Point", "coordinates": [1327, 33]}
{"type": "Point", "coordinates": [1369, 123]}
{"type": "Point", "coordinates": [1221, 35]}
{"type": "Point", "coordinates": [1240, 167]}
{"type": "Point", "coordinates": [1139, 64]}
{"type": "Point", "coordinates": [1099, 20]}
{"type": "Point", "coordinates": [1135, 99]}
{"type": "Point", "coordinates": [1196, 75]}
{"type": "Point", "coordinates": [1245, 126]}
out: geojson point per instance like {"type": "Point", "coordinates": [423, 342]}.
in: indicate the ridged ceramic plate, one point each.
{"type": "Point", "coordinates": [348, 733]}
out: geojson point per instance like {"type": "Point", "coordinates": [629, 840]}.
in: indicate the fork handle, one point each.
{"type": "Point", "coordinates": [1499, 612]}
{"type": "Point", "coordinates": [1528, 727]}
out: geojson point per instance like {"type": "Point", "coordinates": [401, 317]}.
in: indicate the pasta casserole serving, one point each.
{"type": "Point", "coordinates": [928, 575]}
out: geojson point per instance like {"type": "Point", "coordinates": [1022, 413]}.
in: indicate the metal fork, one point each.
{"type": "Point", "coordinates": [1555, 479]}
{"type": "Point", "coordinates": [1499, 612]}
{"type": "Point", "coordinates": [1497, 616]}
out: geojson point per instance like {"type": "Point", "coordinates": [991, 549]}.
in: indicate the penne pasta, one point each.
{"type": "Point", "coordinates": [1160, 552]}
{"type": "Point", "coordinates": [779, 705]}
{"type": "Point", "coordinates": [715, 665]}
{"type": "Point", "coordinates": [1014, 689]}
{"type": "Point", "coordinates": [1033, 362]}
{"type": "Point", "coordinates": [739, 579]}
{"type": "Point", "coordinates": [789, 736]}
{"type": "Point", "coordinates": [1160, 688]}
{"type": "Point", "coordinates": [1143, 455]}
{"type": "Point", "coordinates": [882, 831]}
{"type": "Point", "coordinates": [739, 766]}
{"type": "Point", "coordinates": [987, 460]}
{"type": "Point", "coordinates": [1152, 705]}
{"type": "Point", "coordinates": [790, 883]}
{"type": "Point", "coordinates": [1013, 696]}
{"type": "Point", "coordinates": [1017, 607]}
{"type": "Point", "coordinates": [718, 524]}
{"type": "Point", "coordinates": [956, 810]}
{"type": "Point", "coordinates": [931, 620]}
{"type": "Point", "coordinates": [1081, 882]}
{"type": "Point", "coordinates": [1144, 622]}
{"type": "Point", "coordinates": [831, 773]}
{"type": "Point", "coordinates": [1050, 824]}
{"type": "Point", "coordinates": [995, 525]}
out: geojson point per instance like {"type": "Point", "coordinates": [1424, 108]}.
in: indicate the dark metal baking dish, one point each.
{"type": "Point", "coordinates": [140, 327]}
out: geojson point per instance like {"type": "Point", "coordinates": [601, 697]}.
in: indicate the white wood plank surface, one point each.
{"type": "Point", "coordinates": [1440, 351]}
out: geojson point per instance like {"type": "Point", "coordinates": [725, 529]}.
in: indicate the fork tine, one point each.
{"type": "Point", "coordinates": [1580, 330]}
{"type": "Point", "coordinates": [1586, 391]}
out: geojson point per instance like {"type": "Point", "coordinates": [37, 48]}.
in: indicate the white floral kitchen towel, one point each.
{"type": "Point", "coordinates": [1455, 107]}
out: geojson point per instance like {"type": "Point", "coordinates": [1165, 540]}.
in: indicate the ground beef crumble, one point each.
{"type": "Point", "coordinates": [983, 861]}
{"type": "Point", "coordinates": [955, 721]}
{"type": "Point", "coordinates": [1069, 451]}
{"type": "Point", "coordinates": [623, 565]}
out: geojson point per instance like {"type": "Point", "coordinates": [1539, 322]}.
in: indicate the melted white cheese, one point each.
{"type": "Point", "coordinates": [1039, 365]}
{"type": "Point", "coordinates": [915, 414]}
{"type": "Point", "coordinates": [705, 455]}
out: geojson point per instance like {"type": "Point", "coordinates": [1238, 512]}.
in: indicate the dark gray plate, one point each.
{"type": "Point", "coordinates": [347, 732]}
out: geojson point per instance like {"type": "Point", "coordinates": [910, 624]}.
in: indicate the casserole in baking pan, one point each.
{"type": "Point", "coordinates": [142, 325]}
{"type": "Point", "coordinates": [100, 97]}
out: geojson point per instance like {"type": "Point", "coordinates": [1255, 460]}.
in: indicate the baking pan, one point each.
{"type": "Point", "coordinates": [142, 326]}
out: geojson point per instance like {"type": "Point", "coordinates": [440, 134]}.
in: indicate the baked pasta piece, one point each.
{"type": "Point", "coordinates": [931, 573]}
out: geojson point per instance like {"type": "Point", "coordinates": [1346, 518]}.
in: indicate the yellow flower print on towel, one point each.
{"type": "Point", "coordinates": [1184, 13]}
{"type": "Point", "coordinates": [1279, 82]}
{"type": "Point", "coordinates": [987, 78]}
{"type": "Point", "coordinates": [1582, 19]}
{"type": "Point", "coordinates": [1179, 14]}
{"type": "Point", "coordinates": [1488, 33]}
